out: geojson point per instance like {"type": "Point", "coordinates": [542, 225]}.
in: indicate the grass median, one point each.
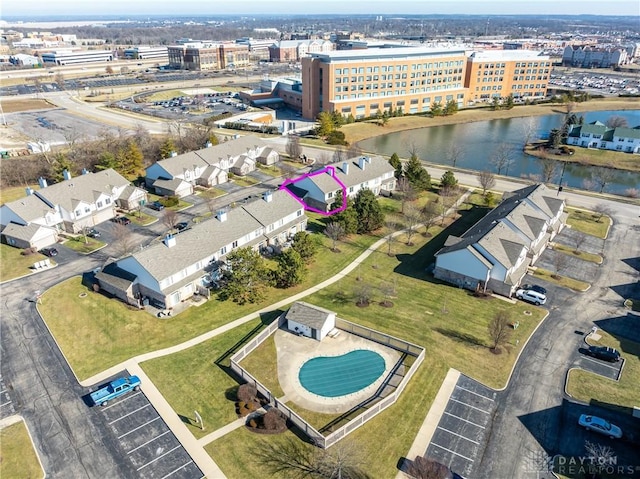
{"type": "Point", "coordinates": [595, 389]}
{"type": "Point", "coordinates": [18, 454]}
{"type": "Point", "coordinates": [14, 264]}
{"type": "Point", "coordinates": [588, 222]}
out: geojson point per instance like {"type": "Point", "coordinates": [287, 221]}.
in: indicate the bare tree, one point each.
{"type": "Point", "coordinates": [487, 180]}
{"type": "Point", "coordinates": [339, 155]}
{"type": "Point", "coordinates": [560, 261]}
{"type": "Point", "coordinates": [407, 192]}
{"type": "Point", "coordinates": [295, 459]}
{"type": "Point", "coordinates": [601, 210]}
{"type": "Point", "coordinates": [362, 293]}
{"type": "Point", "coordinates": [109, 70]}
{"type": "Point", "coordinates": [388, 291]}
{"type": "Point", "coordinates": [429, 212]}
{"type": "Point", "coordinates": [211, 205]}
{"type": "Point", "coordinates": [455, 154]}
{"type": "Point", "coordinates": [599, 454]}
{"type": "Point", "coordinates": [447, 201]}
{"type": "Point", "coordinates": [579, 240]}
{"type": "Point", "coordinates": [549, 169]}
{"type": "Point", "coordinates": [123, 241]}
{"type": "Point", "coordinates": [59, 80]}
{"type": "Point", "coordinates": [293, 148]}
{"type": "Point", "coordinates": [425, 468]}
{"type": "Point", "coordinates": [287, 170]}
{"type": "Point", "coordinates": [323, 158]}
{"type": "Point", "coordinates": [502, 157]}
{"type": "Point", "coordinates": [392, 227]}
{"type": "Point", "coordinates": [334, 231]}
{"type": "Point", "coordinates": [616, 121]}
{"type": "Point", "coordinates": [353, 151]}
{"type": "Point", "coordinates": [499, 329]}
{"type": "Point", "coordinates": [528, 129]}
{"type": "Point", "coordinates": [412, 220]}
{"type": "Point", "coordinates": [588, 184]}
{"type": "Point", "coordinates": [570, 107]}
{"type": "Point", "coordinates": [603, 176]}
{"type": "Point", "coordinates": [169, 218]}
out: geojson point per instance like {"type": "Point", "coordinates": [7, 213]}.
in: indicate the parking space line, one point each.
{"type": "Point", "coordinates": [601, 363]}
{"type": "Point", "coordinates": [176, 470]}
{"type": "Point", "coordinates": [456, 434]}
{"type": "Point", "coordinates": [160, 457]}
{"type": "Point", "coordinates": [463, 419]}
{"type": "Point", "coordinates": [149, 441]}
{"type": "Point", "coordinates": [3, 391]}
{"type": "Point", "coordinates": [130, 413]}
{"type": "Point", "coordinates": [139, 427]}
{"type": "Point", "coordinates": [469, 405]}
{"type": "Point", "coordinates": [120, 402]}
{"type": "Point", "coordinates": [4, 404]}
{"type": "Point", "coordinates": [473, 392]}
{"type": "Point", "coordinates": [452, 452]}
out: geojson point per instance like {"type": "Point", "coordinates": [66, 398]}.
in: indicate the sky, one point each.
{"type": "Point", "coordinates": [30, 8]}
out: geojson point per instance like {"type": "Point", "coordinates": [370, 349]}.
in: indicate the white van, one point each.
{"type": "Point", "coordinates": [531, 296]}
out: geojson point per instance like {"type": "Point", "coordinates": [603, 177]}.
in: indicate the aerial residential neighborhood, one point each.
{"type": "Point", "coordinates": [358, 240]}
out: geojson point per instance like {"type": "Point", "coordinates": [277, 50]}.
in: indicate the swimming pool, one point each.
{"type": "Point", "coordinates": [333, 376]}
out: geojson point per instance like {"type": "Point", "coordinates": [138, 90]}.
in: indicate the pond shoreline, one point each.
{"type": "Point", "coordinates": [356, 132]}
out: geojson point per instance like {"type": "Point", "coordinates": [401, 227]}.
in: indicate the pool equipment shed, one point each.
{"type": "Point", "coordinates": [311, 321]}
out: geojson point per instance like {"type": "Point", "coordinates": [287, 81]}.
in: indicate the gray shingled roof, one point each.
{"type": "Point", "coordinates": [308, 314]}
{"type": "Point", "coordinates": [114, 275]}
{"type": "Point", "coordinates": [22, 232]}
{"type": "Point", "coordinates": [503, 244]}
{"type": "Point", "coordinates": [375, 168]}
{"type": "Point", "coordinates": [267, 212]}
{"type": "Point", "coordinates": [176, 165]}
{"type": "Point", "coordinates": [85, 188]}
{"type": "Point", "coordinates": [172, 185]}
{"type": "Point", "coordinates": [29, 208]}
{"type": "Point", "coordinates": [233, 148]}
{"type": "Point", "coordinates": [199, 242]}
{"type": "Point", "coordinates": [622, 132]}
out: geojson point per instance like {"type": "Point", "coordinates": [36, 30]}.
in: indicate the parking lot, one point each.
{"type": "Point", "coordinates": [145, 439]}
{"type": "Point", "coordinates": [597, 366]}
{"type": "Point", "coordinates": [7, 407]}
{"type": "Point", "coordinates": [462, 431]}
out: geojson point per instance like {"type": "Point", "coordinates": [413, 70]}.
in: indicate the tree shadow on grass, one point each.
{"type": "Point", "coordinates": [461, 337]}
{"type": "Point", "coordinates": [416, 265]}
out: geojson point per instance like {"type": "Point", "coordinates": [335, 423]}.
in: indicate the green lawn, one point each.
{"type": "Point", "coordinates": [18, 457]}
{"type": "Point", "coordinates": [592, 388]}
{"type": "Point", "coordinates": [561, 280]}
{"type": "Point", "coordinates": [210, 193]}
{"type": "Point", "coordinates": [180, 206]}
{"type": "Point", "coordinates": [13, 193]}
{"type": "Point", "coordinates": [14, 264]}
{"type": "Point", "coordinates": [96, 332]}
{"type": "Point", "coordinates": [591, 257]}
{"type": "Point", "coordinates": [588, 222]}
{"type": "Point", "coordinates": [244, 180]}
{"type": "Point", "coordinates": [79, 245]}
{"type": "Point", "coordinates": [140, 218]}
{"type": "Point", "coordinates": [272, 170]}
{"type": "Point", "coordinates": [199, 379]}
{"type": "Point", "coordinates": [591, 156]}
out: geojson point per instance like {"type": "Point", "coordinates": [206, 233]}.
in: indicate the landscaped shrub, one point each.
{"type": "Point", "coordinates": [247, 393]}
{"type": "Point", "coordinates": [274, 420]}
{"type": "Point", "coordinates": [336, 137]}
{"type": "Point", "coordinates": [29, 251]}
{"type": "Point", "coordinates": [170, 201]}
{"type": "Point", "coordinates": [253, 424]}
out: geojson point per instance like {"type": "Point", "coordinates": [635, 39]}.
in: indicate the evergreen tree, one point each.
{"type": "Point", "coordinates": [495, 103]}
{"type": "Point", "coordinates": [132, 160]}
{"type": "Point", "coordinates": [305, 245]}
{"type": "Point", "coordinates": [369, 213]}
{"type": "Point", "coordinates": [436, 109]}
{"type": "Point", "coordinates": [246, 278]}
{"type": "Point", "coordinates": [397, 164]}
{"type": "Point", "coordinates": [325, 124]}
{"type": "Point", "coordinates": [291, 269]}
{"type": "Point", "coordinates": [167, 148]}
{"type": "Point", "coordinates": [107, 160]}
{"type": "Point", "coordinates": [417, 174]}
{"type": "Point", "coordinates": [448, 180]}
{"type": "Point", "coordinates": [451, 107]}
{"type": "Point", "coordinates": [60, 163]}
{"type": "Point", "coordinates": [348, 218]}
{"type": "Point", "coordinates": [509, 102]}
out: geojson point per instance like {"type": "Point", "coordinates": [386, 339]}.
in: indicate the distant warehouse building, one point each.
{"type": "Point", "coordinates": [74, 57]}
{"type": "Point", "coordinates": [146, 53]}
{"type": "Point", "coordinates": [208, 56]}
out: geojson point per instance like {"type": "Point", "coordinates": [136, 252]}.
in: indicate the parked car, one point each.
{"type": "Point", "coordinates": [49, 252]}
{"type": "Point", "coordinates": [156, 205]}
{"type": "Point", "coordinates": [604, 352]}
{"type": "Point", "coordinates": [93, 233]}
{"type": "Point", "coordinates": [531, 296]}
{"type": "Point", "coordinates": [534, 287]}
{"type": "Point", "coordinates": [597, 424]}
{"type": "Point", "coordinates": [115, 389]}
{"type": "Point", "coordinates": [123, 220]}
{"type": "Point", "coordinates": [183, 225]}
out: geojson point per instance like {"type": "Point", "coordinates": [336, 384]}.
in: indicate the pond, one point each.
{"type": "Point", "coordinates": [479, 140]}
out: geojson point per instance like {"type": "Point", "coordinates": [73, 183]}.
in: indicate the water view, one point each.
{"type": "Point", "coordinates": [479, 140]}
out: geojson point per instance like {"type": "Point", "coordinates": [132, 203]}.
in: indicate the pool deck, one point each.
{"type": "Point", "coordinates": [293, 351]}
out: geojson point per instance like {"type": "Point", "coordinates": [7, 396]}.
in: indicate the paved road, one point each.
{"type": "Point", "coordinates": [530, 417]}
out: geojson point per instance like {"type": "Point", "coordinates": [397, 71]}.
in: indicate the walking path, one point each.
{"type": "Point", "coordinates": [192, 445]}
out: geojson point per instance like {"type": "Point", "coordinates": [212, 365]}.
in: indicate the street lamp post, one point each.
{"type": "Point", "coordinates": [564, 164]}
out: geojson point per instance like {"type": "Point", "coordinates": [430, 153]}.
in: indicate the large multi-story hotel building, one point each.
{"type": "Point", "coordinates": [208, 56]}
{"type": "Point", "coordinates": [363, 82]}
{"type": "Point", "coordinates": [521, 73]}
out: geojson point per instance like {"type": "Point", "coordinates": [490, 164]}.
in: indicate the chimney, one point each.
{"type": "Point", "coordinates": [173, 153]}
{"type": "Point", "coordinates": [66, 175]}
{"type": "Point", "coordinates": [345, 168]}
{"type": "Point", "coordinates": [222, 216]}
{"type": "Point", "coordinates": [330, 171]}
{"type": "Point", "coordinates": [361, 162]}
{"type": "Point", "coordinates": [85, 171]}
{"type": "Point", "coordinates": [169, 241]}
{"type": "Point", "coordinates": [29, 190]}
{"type": "Point", "coordinates": [368, 159]}
{"type": "Point", "coordinates": [208, 144]}
{"type": "Point", "coordinates": [267, 196]}
{"type": "Point", "coordinates": [42, 182]}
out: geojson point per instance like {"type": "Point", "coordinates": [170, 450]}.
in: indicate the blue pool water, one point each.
{"type": "Point", "coordinates": [333, 376]}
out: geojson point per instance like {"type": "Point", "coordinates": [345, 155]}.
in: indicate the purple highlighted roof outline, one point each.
{"type": "Point", "coordinates": [327, 169]}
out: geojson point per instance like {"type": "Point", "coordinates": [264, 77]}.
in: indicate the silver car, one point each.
{"type": "Point", "coordinates": [597, 424]}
